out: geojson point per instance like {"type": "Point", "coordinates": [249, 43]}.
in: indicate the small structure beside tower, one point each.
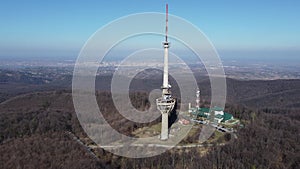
{"type": "Point", "coordinates": [204, 113]}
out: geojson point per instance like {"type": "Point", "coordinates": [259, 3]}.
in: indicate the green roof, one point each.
{"type": "Point", "coordinates": [219, 116]}
{"type": "Point", "coordinates": [201, 112]}
{"type": "Point", "coordinates": [204, 110]}
{"type": "Point", "coordinates": [227, 116]}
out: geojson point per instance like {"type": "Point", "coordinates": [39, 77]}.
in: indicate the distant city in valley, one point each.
{"type": "Point", "coordinates": [251, 68]}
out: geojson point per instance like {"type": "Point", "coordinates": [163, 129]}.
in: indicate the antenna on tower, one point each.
{"type": "Point", "coordinates": [198, 99]}
{"type": "Point", "coordinates": [166, 22]}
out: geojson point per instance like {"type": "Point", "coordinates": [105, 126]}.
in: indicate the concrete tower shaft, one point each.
{"type": "Point", "coordinates": [165, 104]}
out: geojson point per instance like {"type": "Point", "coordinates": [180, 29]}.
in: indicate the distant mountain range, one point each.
{"type": "Point", "coordinates": [253, 93]}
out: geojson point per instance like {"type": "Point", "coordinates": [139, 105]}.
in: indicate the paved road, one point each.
{"type": "Point", "coordinates": [156, 145]}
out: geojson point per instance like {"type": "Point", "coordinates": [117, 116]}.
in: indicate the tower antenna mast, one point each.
{"type": "Point", "coordinates": [167, 22]}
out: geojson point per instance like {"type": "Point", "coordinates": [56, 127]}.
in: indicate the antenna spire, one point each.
{"type": "Point", "coordinates": [166, 22]}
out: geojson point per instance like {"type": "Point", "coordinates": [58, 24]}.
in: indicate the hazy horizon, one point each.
{"type": "Point", "coordinates": [60, 29]}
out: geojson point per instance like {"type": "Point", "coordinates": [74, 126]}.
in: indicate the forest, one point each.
{"type": "Point", "coordinates": [34, 134]}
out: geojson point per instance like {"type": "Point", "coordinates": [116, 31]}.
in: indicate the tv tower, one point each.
{"type": "Point", "coordinates": [165, 103]}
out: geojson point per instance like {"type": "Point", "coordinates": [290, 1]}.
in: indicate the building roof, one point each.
{"type": "Point", "coordinates": [219, 116]}
{"type": "Point", "coordinates": [227, 116]}
{"type": "Point", "coordinates": [202, 112]}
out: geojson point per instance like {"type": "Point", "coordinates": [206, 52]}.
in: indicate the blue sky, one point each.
{"type": "Point", "coordinates": [60, 28]}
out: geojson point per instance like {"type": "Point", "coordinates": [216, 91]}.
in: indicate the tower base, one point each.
{"type": "Point", "coordinates": [165, 105]}
{"type": "Point", "coordinates": [164, 126]}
